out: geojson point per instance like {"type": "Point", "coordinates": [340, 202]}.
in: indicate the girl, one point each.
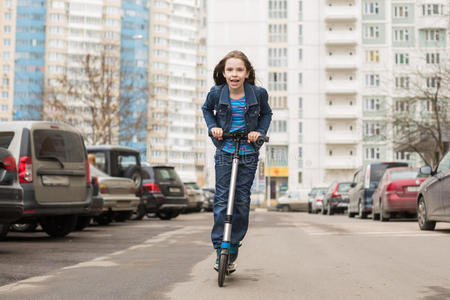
{"type": "Point", "coordinates": [235, 104]}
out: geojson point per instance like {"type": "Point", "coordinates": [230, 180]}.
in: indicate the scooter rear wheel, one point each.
{"type": "Point", "coordinates": [223, 268]}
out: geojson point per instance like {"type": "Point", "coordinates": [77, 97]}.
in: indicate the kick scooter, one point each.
{"type": "Point", "coordinates": [237, 137]}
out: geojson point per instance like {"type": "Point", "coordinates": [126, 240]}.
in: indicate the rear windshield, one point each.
{"type": "Point", "coordinates": [5, 139]}
{"type": "Point", "coordinates": [97, 172]}
{"type": "Point", "coordinates": [344, 187]}
{"type": "Point", "coordinates": [64, 145]}
{"type": "Point", "coordinates": [404, 174]}
{"type": "Point", "coordinates": [166, 174]}
{"type": "Point", "coordinates": [377, 171]}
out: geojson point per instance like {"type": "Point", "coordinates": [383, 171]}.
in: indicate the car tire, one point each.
{"type": "Point", "coordinates": [140, 213]}
{"type": "Point", "coordinates": [422, 219]}
{"type": "Point", "coordinates": [383, 217]}
{"type": "Point", "coordinates": [323, 211]}
{"type": "Point", "coordinates": [167, 215]}
{"type": "Point", "coordinates": [350, 214]}
{"type": "Point", "coordinates": [330, 210]}
{"type": "Point", "coordinates": [105, 218]}
{"type": "Point", "coordinates": [59, 226]}
{"type": "Point", "coordinates": [23, 227]}
{"type": "Point", "coordinates": [361, 213]}
{"type": "Point", "coordinates": [4, 228]}
{"type": "Point", "coordinates": [82, 222]}
{"type": "Point", "coordinates": [285, 208]}
{"type": "Point", "coordinates": [309, 208]}
{"type": "Point", "coordinates": [122, 216]}
{"type": "Point", "coordinates": [134, 174]}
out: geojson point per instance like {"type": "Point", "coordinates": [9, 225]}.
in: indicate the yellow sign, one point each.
{"type": "Point", "coordinates": [278, 172]}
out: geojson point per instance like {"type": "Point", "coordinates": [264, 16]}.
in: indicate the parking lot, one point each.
{"type": "Point", "coordinates": [285, 256]}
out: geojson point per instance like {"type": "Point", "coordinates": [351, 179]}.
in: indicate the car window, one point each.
{"type": "Point", "coordinates": [404, 174]}
{"type": "Point", "coordinates": [97, 172]}
{"type": "Point", "coordinates": [64, 145]}
{"type": "Point", "coordinates": [376, 172]}
{"type": "Point", "coordinates": [344, 187]}
{"type": "Point", "coordinates": [125, 161]}
{"type": "Point", "coordinates": [5, 139]}
{"type": "Point", "coordinates": [444, 165]}
{"type": "Point", "coordinates": [100, 160]}
{"type": "Point", "coordinates": [165, 174]}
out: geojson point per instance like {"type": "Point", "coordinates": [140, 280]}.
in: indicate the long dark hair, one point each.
{"type": "Point", "coordinates": [218, 70]}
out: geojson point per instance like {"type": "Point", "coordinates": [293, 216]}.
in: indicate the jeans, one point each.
{"type": "Point", "coordinates": [246, 174]}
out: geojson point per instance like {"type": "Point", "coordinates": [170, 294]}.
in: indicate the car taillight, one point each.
{"type": "Point", "coordinates": [391, 187]}
{"type": "Point", "coordinates": [318, 200]}
{"type": "Point", "coordinates": [10, 164]}
{"type": "Point", "coordinates": [94, 180]}
{"type": "Point", "coordinates": [88, 173]}
{"type": "Point", "coordinates": [152, 187]}
{"type": "Point", "coordinates": [103, 189]}
{"type": "Point", "coordinates": [25, 169]}
{"type": "Point", "coordinates": [335, 193]}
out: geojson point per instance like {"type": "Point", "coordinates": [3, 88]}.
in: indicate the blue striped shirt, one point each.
{"type": "Point", "coordinates": [238, 124]}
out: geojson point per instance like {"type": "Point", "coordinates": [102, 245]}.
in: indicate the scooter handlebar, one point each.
{"type": "Point", "coordinates": [261, 139]}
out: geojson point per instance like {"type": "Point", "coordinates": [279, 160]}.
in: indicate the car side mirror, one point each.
{"type": "Point", "coordinates": [353, 184]}
{"type": "Point", "coordinates": [426, 170]}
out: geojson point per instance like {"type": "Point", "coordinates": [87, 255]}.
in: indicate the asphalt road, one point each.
{"type": "Point", "coordinates": [284, 256]}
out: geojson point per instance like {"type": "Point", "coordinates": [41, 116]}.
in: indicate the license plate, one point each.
{"type": "Point", "coordinates": [174, 190]}
{"type": "Point", "coordinates": [55, 180]}
{"type": "Point", "coordinates": [412, 188]}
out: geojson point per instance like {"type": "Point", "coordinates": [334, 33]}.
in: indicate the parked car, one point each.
{"type": "Point", "coordinates": [119, 197]}
{"type": "Point", "coordinates": [396, 193]}
{"type": "Point", "coordinates": [120, 161]}
{"type": "Point", "coordinates": [312, 197]}
{"type": "Point", "coordinates": [53, 173]}
{"type": "Point", "coordinates": [94, 209]}
{"type": "Point", "coordinates": [292, 201]}
{"type": "Point", "coordinates": [11, 194]}
{"type": "Point", "coordinates": [196, 197]}
{"type": "Point", "coordinates": [317, 199]}
{"type": "Point", "coordinates": [163, 192]}
{"type": "Point", "coordinates": [336, 199]}
{"type": "Point", "coordinates": [209, 193]}
{"type": "Point", "coordinates": [433, 200]}
{"type": "Point", "coordinates": [365, 181]}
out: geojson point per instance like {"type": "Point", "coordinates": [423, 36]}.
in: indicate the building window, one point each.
{"type": "Point", "coordinates": [277, 57]}
{"type": "Point", "coordinates": [433, 58]}
{"type": "Point", "coordinates": [372, 32]}
{"type": "Point", "coordinates": [372, 129]}
{"type": "Point", "coordinates": [5, 94]}
{"type": "Point", "coordinates": [277, 33]}
{"type": "Point", "coordinates": [300, 152]}
{"type": "Point", "coordinates": [300, 54]}
{"type": "Point", "coordinates": [4, 107]}
{"type": "Point", "coordinates": [300, 127]}
{"type": "Point", "coordinates": [372, 80]}
{"type": "Point", "coordinates": [300, 34]}
{"type": "Point", "coordinates": [300, 103]}
{"type": "Point", "coordinates": [371, 8]}
{"type": "Point", "coordinates": [300, 10]}
{"type": "Point", "coordinates": [7, 29]}
{"type": "Point", "coordinates": [401, 155]}
{"type": "Point", "coordinates": [402, 82]}
{"type": "Point", "coordinates": [432, 10]}
{"type": "Point", "coordinates": [300, 78]}
{"type": "Point", "coordinates": [401, 58]}
{"type": "Point", "coordinates": [278, 102]}
{"type": "Point", "coordinates": [277, 9]}
{"type": "Point", "coordinates": [433, 82]}
{"type": "Point", "coordinates": [372, 104]}
{"type": "Point", "coordinates": [401, 35]}
{"type": "Point", "coordinates": [401, 12]}
{"type": "Point", "coordinates": [300, 177]}
{"type": "Point", "coordinates": [278, 126]}
{"type": "Point", "coordinates": [7, 16]}
{"type": "Point", "coordinates": [432, 35]}
{"type": "Point", "coordinates": [372, 153]}
{"type": "Point", "coordinates": [278, 81]}
{"type": "Point", "coordinates": [372, 56]}
{"type": "Point", "coordinates": [401, 106]}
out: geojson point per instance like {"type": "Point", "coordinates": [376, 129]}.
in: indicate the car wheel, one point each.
{"type": "Point", "coordinates": [309, 208]}
{"type": "Point", "coordinates": [104, 218]}
{"type": "Point", "coordinates": [285, 208]}
{"type": "Point", "coordinates": [323, 211]}
{"type": "Point", "coordinates": [424, 224]}
{"type": "Point", "coordinates": [383, 214]}
{"type": "Point", "coordinates": [122, 216]}
{"type": "Point", "coordinates": [165, 215]}
{"type": "Point", "coordinates": [361, 213]}
{"type": "Point", "coordinates": [4, 228]}
{"type": "Point", "coordinates": [330, 210]}
{"type": "Point", "coordinates": [24, 227]}
{"type": "Point", "coordinates": [82, 222]}
{"type": "Point", "coordinates": [140, 213]}
{"type": "Point", "coordinates": [59, 226]}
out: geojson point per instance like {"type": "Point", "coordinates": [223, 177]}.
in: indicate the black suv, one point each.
{"type": "Point", "coordinates": [163, 192]}
{"type": "Point", "coordinates": [365, 182]}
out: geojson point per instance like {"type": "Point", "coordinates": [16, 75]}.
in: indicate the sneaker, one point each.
{"type": "Point", "coordinates": [234, 250]}
{"type": "Point", "coordinates": [216, 265]}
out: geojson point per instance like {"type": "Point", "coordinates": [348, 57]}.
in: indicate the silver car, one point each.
{"type": "Point", "coordinates": [433, 200]}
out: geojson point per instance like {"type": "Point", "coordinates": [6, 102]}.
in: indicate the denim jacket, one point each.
{"type": "Point", "coordinates": [217, 110]}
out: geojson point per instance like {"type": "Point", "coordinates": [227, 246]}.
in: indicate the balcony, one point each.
{"type": "Point", "coordinates": [341, 87]}
{"type": "Point", "coordinates": [341, 13]}
{"type": "Point", "coordinates": [341, 62]}
{"type": "Point", "coordinates": [341, 137]}
{"type": "Point", "coordinates": [341, 38]}
{"type": "Point", "coordinates": [341, 112]}
{"type": "Point", "coordinates": [342, 162]}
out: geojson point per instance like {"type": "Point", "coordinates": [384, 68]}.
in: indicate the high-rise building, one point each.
{"type": "Point", "coordinates": [177, 86]}
{"type": "Point", "coordinates": [335, 71]}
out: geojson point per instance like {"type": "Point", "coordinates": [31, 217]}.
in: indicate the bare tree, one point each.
{"type": "Point", "coordinates": [420, 119]}
{"type": "Point", "coordinates": [94, 95]}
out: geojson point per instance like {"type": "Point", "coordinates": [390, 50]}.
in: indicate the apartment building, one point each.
{"type": "Point", "coordinates": [177, 86]}
{"type": "Point", "coordinates": [335, 70]}
{"type": "Point", "coordinates": [7, 56]}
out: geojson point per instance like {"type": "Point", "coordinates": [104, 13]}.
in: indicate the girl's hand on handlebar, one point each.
{"type": "Point", "coordinates": [253, 136]}
{"type": "Point", "coordinates": [217, 133]}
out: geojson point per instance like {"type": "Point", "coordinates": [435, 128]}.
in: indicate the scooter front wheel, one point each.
{"type": "Point", "coordinates": [223, 268]}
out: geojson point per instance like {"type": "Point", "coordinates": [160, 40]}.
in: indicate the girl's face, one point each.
{"type": "Point", "coordinates": [235, 73]}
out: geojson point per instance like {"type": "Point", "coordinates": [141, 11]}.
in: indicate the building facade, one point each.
{"type": "Point", "coordinates": [336, 71]}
